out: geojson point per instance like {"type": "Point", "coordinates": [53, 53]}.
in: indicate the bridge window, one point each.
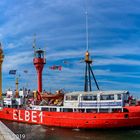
{"type": "Point", "coordinates": [111, 97]}
{"type": "Point", "coordinates": [89, 98]}
{"type": "Point", "coordinates": [104, 97]}
{"type": "Point", "coordinates": [68, 97]}
{"type": "Point", "coordinates": [71, 98]}
{"type": "Point", "coordinates": [118, 96]}
{"type": "Point", "coordinates": [107, 97]}
{"type": "Point", "coordinates": [74, 97]}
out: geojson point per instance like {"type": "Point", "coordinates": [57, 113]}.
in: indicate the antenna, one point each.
{"type": "Point", "coordinates": [45, 51]}
{"type": "Point", "coordinates": [87, 38]}
{"type": "Point", "coordinates": [34, 43]}
{"type": "Point", "coordinates": [87, 41]}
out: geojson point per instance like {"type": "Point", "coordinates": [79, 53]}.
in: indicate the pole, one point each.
{"type": "Point", "coordinates": [86, 84]}
{"type": "Point", "coordinates": [89, 77]}
{"type": "Point", "coordinates": [94, 78]}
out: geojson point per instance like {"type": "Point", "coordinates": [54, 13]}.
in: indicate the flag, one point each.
{"type": "Point", "coordinates": [25, 71]}
{"type": "Point", "coordinates": [56, 67]}
{"type": "Point", "coordinates": [12, 72]}
{"type": "Point", "coordinates": [60, 68]}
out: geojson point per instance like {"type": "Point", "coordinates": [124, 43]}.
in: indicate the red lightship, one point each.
{"type": "Point", "coordinates": [84, 109]}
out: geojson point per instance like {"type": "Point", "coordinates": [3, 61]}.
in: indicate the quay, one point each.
{"type": "Point", "coordinates": [6, 133]}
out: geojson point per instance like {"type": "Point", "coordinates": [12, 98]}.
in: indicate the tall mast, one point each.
{"type": "Point", "coordinates": [17, 83]}
{"type": "Point", "coordinates": [87, 41]}
{"type": "Point", "coordinates": [88, 61]}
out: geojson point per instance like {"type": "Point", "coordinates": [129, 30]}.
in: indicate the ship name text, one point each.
{"type": "Point", "coordinates": [28, 116]}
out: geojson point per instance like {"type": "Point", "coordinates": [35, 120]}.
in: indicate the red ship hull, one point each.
{"type": "Point", "coordinates": [74, 119]}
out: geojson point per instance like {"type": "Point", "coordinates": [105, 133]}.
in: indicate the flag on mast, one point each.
{"type": "Point", "coordinates": [13, 72]}
{"type": "Point", "coordinates": [56, 67]}
{"type": "Point", "coordinates": [25, 71]}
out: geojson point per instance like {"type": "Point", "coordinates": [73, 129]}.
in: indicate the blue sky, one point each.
{"type": "Point", "coordinates": [114, 42]}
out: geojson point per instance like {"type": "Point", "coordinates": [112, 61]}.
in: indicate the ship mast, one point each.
{"type": "Point", "coordinates": [17, 83]}
{"type": "Point", "coordinates": [88, 61]}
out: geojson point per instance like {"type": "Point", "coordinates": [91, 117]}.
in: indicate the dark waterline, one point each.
{"type": "Point", "coordinates": [39, 132]}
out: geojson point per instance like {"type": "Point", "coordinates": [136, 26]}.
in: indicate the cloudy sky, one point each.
{"type": "Point", "coordinates": [114, 42]}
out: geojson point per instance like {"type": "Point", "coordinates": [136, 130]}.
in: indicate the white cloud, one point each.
{"type": "Point", "coordinates": [117, 61]}
{"type": "Point", "coordinates": [60, 24]}
{"type": "Point", "coordinates": [16, 60]}
{"type": "Point", "coordinates": [11, 46]}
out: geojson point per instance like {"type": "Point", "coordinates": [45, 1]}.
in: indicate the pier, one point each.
{"type": "Point", "coordinates": [6, 133]}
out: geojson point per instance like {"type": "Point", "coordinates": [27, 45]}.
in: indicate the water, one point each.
{"type": "Point", "coordinates": [39, 132]}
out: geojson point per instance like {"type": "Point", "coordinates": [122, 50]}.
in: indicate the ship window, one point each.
{"type": "Point", "coordinates": [91, 110]}
{"type": "Point", "coordinates": [103, 110]}
{"type": "Point", "coordinates": [104, 97]}
{"type": "Point", "coordinates": [125, 110]}
{"type": "Point", "coordinates": [107, 97]}
{"type": "Point", "coordinates": [61, 109]}
{"type": "Point", "coordinates": [67, 110]}
{"type": "Point", "coordinates": [116, 110]}
{"type": "Point", "coordinates": [70, 110]}
{"type": "Point", "coordinates": [79, 110]}
{"type": "Point", "coordinates": [111, 97]}
{"type": "Point", "coordinates": [74, 97]}
{"type": "Point", "coordinates": [89, 98]}
{"type": "Point", "coordinates": [71, 98]}
{"type": "Point", "coordinates": [118, 96]}
{"type": "Point", "coordinates": [45, 109]}
{"type": "Point", "coordinates": [68, 98]}
{"type": "Point", "coordinates": [52, 109]}
{"type": "Point", "coordinates": [40, 55]}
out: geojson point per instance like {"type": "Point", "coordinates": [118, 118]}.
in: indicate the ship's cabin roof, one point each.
{"type": "Point", "coordinates": [39, 51]}
{"type": "Point", "coordinates": [110, 92]}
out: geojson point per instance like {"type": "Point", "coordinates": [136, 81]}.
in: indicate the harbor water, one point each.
{"type": "Point", "coordinates": [39, 132]}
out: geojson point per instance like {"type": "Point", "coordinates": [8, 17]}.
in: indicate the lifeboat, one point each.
{"type": "Point", "coordinates": [48, 95]}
